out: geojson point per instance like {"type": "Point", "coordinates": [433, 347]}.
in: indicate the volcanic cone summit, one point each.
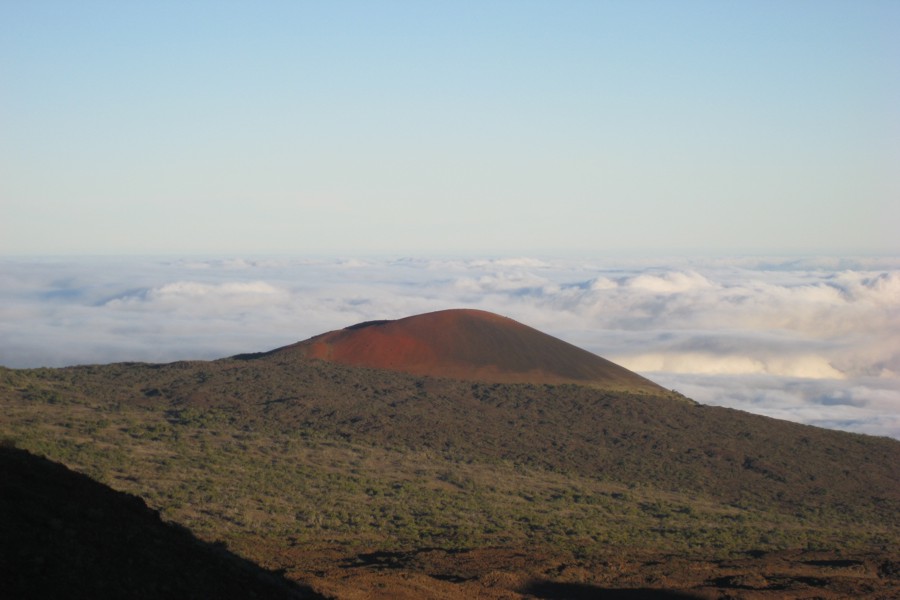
{"type": "Point", "coordinates": [471, 345]}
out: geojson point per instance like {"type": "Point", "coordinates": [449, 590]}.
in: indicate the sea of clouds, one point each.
{"type": "Point", "coordinates": [813, 340]}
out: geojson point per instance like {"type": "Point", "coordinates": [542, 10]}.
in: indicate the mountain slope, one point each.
{"type": "Point", "coordinates": [64, 535]}
{"type": "Point", "coordinates": [287, 452]}
{"type": "Point", "coordinates": [471, 345]}
{"type": "Point", "coordinates": [662, 441]}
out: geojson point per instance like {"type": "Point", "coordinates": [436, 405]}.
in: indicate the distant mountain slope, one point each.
{"type": "Point", "coordinates": [63, 535]}
{"type": "Point", "coordinates": [472, 345]}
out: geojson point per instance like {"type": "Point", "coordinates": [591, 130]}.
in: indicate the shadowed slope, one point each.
{"type": "Point", "coordinates": [64, 535]}
{"type": "Point", "coordinates": [472, 345]}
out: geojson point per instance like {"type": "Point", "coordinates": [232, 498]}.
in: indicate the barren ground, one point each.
{"type": "Point", "coordinates": [503, 573]}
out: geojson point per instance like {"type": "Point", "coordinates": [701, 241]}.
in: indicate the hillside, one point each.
{"type": "Point", "coordinates": [348, 478]}
{"type": "Point", "coordinates": [471, 345]}
{"type": "Point", "coordinates": [63, 535]}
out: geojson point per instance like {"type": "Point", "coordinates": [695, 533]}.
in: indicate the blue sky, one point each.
{"type": "Point", "coordinates": [449, 128]}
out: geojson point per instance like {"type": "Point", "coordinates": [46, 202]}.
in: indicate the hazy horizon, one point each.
{"type": "Point", "coordinates": [811, 340]}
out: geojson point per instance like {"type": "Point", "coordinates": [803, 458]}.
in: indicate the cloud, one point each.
{"type": "Point", "coordinates": [198, 297]}
{"type": "Point", "coordinates": [813, 340]}
{"type": "Point", "coordinates": [861, 405]}
{"type": "Point", "coordinates": [670, 283]}
{"type": "Point", "coordinates": [806, 366]}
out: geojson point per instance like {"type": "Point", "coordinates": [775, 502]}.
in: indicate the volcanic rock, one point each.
{"type": "Point", "coordinates": [471, 345]}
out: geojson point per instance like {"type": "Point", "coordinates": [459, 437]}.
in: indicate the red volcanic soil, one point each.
{"type": "Point", "coordinates": [471, 345]}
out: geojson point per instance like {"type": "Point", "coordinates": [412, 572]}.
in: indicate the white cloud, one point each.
{"type": "Point", "coordinates": [806, 366]}
{"type": "Point", "coordinates": [200, 297]}
{"type": "Point", "coordinates": [670, 283]}
{"type": "Point", "coordinates": [862, 405]}
{"type": "Point", "coordinates": [788, 338]}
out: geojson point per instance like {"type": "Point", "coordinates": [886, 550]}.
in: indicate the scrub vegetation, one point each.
{"type": "Point", "coordinates": [309, 452]}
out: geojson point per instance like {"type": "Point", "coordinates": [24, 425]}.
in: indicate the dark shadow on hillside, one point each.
{"type": "Point", "coordinates": [365, 324]}
{"type": "Point", "coordinates": [251, 355]}
{"type": "Point", "coordinates": [554, 590]}
{"type": "Point", "coordinates": [389, 560]}
{"type": "Point", "coordinates": [64, 535]}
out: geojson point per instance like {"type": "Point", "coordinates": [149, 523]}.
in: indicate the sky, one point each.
{"type": "Point", "coordinates": [500, 128]}
{"type": "Point", "coordinates": [705, 192]}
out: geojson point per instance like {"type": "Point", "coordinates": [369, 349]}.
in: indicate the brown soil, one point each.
{"type": "Point", "coordinates": [472, 345]}
{"type": "Point", "coordinates": [504, 573]}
